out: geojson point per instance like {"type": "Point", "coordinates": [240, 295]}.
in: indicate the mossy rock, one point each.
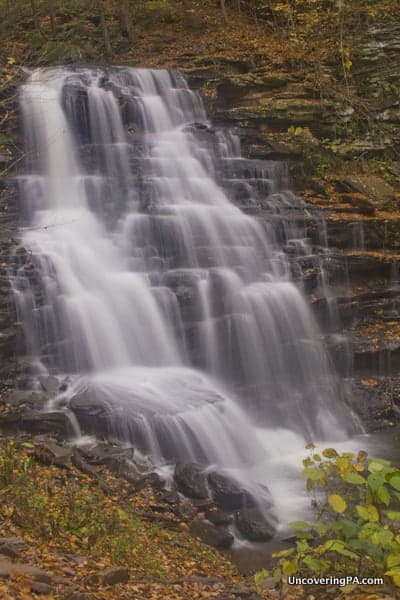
{"type": "Point", "coordinates": [371, 187]}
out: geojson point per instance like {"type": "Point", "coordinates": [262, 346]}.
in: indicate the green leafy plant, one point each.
{"type": "Point", "coordinates": [357, 520]}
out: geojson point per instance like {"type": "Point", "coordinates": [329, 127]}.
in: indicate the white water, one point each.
{"type": "Point", "coordinates": [164, 303]}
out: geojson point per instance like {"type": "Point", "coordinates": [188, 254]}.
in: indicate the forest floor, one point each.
{"type": "Point", "coordinates": [78, 533]}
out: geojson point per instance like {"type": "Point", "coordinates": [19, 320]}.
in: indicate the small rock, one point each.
{"type": "Point", "coordinates": [217, 537]}
{"type": "Point", "coordinates": [115, 456]}
{"type": "Point", "coordinates": [12, 547]}
{"type": "Point", "coordinates": [169, 496]}
{"type": "Point", "coordinates": [113, 575]}
{"type": "Point", "coordinates": [9, 550]}
{"type": "Point", "coordinates": [187, 510]}
{"type": "Point", "coordinates": [77, 596]}
{"type": "Point", "coordinates": [40, 588]}
{"type": "Point", "coordinates": [7, 568]}
{"type": "Point", "coordinates": [14, 541]}
{"type": "Point", "coordinates": [60, 580]}
{"type": "Point", "coordinates": [50, 453]}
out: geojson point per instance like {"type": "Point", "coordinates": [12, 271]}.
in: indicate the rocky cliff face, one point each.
{"type": "Point", "coordinates": [9, 330]}
{"type": "Point", "coordinates": [10, 159]}
{"type": "Point", "coordinates": [343, 146]}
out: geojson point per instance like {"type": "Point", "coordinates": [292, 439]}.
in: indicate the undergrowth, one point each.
{"type": "Point", "coordinates": [356, 530]}
{"type": "Point", "coordinates": [50, 505]}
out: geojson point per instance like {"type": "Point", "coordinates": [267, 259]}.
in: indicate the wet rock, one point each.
{"type": "Point", "coordinates": [253, 525]}
{"type": "Point", "coordinates": [8, 342]}
{"type": "Point", "coordinates": [26, 399]}
{"type": "Point", "coordinates": [202, 504]}
{"type": "Point", "coordinates": [218, 517]}
{"type": "Point", "coordinates": [169, 496]}
{"type": "Point", "coordinates": [310, 280]}
{"type": "Point", "coordinates": [214, 536]}
{"type": "Point", "coordinates": [91, 413]}
{"type": "Point", "coordinates": [5, 159]}
{"type": "Point", "coordinates": [227, 493]}
{"type": "Point", "coordinates": [49, 384]}
{"type": "Point", "coordinates": [183, 284]}
{"type": "Point", "coordinates": [118, 459]}
{"type": "Point", "coordinates": [107, 453]}
{"type": "Point", "coordinates": [37, 422]}
{"type": "Point", "coordinates": [50, 453]}
{"type": "Point", "coordinates": [191, 480]}
{"type": "Point", "coordinates": [75, 94]}
{"type": "Point", "coordinates": [187, 511]}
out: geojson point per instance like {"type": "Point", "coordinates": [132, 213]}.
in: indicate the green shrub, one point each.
{"type": "Point", "coordinates": [161, 11]}
{"type": "Point", "coordinates": [357, 520]}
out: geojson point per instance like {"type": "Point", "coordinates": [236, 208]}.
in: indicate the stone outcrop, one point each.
{"type": "Point", "coordinates": [342, 145]}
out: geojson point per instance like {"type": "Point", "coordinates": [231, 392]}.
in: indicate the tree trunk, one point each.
{"type": "Point", "coordinates": [104, 27]}
{"type": "Point", "coordinates": [52, 13]}
{"type": "Point", "coordinates": [224, 11]}
{"type": "Point", "coordinates": [124, 21]}
{"type": "Point", "coordinates": [34, 14]}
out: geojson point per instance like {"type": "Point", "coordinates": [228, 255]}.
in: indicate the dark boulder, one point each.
{"type": "Point", "coordinates": [254, 526]}
{"type": "Point", "coordinates": [191, 480]}
{"type": "Point", "coordinates": [49, 384]}
{"type": "Point", "coordinates": [218, 517]}
{"type": "Point", "coordinates": [39, 588]}
{"type": "Point", "coordinates": [109, 576]}
{"type": "Point", "coordinates": [226, 493]}
{"type": "Point", "coordinates": [92, 413]}
{"type": "Point", "coordinates": [114, 575]}
{"type": "Point", "coordinates": [217, 537]}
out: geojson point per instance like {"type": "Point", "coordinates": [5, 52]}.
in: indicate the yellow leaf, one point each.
{"type": "Point", "coordinates": [368, 512]}
{"type": "Point", "coordinates": [329, 453]}
{"type": "Point", "coordinates": [337, 503]}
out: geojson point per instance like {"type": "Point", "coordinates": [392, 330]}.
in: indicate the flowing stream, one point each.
{"type": "Point", "coordinates": [170, 312]}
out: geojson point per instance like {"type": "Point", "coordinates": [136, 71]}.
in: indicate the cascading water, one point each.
{"type": "Point", "coordinates": [170, 311]}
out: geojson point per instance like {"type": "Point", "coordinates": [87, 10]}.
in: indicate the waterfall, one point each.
{"type": "Point", "coordinates": [151, 287]}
